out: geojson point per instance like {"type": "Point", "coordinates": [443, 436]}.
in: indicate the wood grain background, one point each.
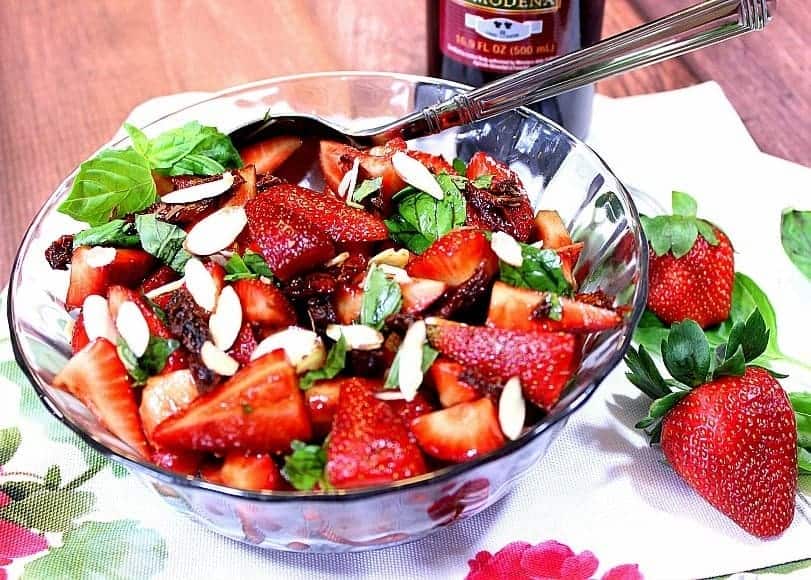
{"type": "Point", "coordinates": [70, 72]}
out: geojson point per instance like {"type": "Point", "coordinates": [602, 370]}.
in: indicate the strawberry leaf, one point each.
{"type": "Point", "coordinates": [658, 409]}
{"type": "Point", "coordinates": [683, 204]}
{"type": "Point", "coordinates": [644, 374]}
{"type": "Point", "coordinates": [733, 366]}
{"type": "Point", "coordinates": [686, 353]}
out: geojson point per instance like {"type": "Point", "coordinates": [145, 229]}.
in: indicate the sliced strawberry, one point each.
{"type": "Point", "coordinates": [329, 214]}
{"type": "Point", "coordinates": [182, 463]}
{"type": "Point", "coordinates": [289, 244]}
{"type": "Point", "coordinates": [420, 293]}
{"type": "Point", "coordinates": [336, 159]}
{"type": "Point", "coordinates": [455, 257]}
{"type": "Point", "coordinates": [543, 361]}
{"type": "Point", "coordinates": [483, 164]}
{"type": "Point", "coordinates": [247, 190]}
{"type": "Point", "coordinates": [523, 309]}
{"type": "Point", "coordinates": [461, 432]}
{"type": "Point", "coordinates": [377, 163]}
{"type": "Point", "coordinates": [260, 408]}
{"type": "Point", "coordinates": [436, 164]}
{"type": "Point", "coordinates": [252, 471]}
{"type": "Point", "coordinates": [410, 410]}
{"type": "Point", "coordinates": [268, 155]}
{"type": "Point", "coordinates": [128, 268]}
{"type": "Point", "coordinates": [322, 403]}
{"type": "Point", "coordinates": [97, 377]}
{"type": "Point", "coordinates": [244, 345]}
{"type": "Point", "coordinates": [160, 277]}
{"type": "Point", "coordinates": [569, 255]}
{"type": "Point", "coordinates": [264, 303]}
{"type": "Point", "coordinates": [79, 338]}
{"type": "Point", "coordinates": [550, 229]}
{"type": "Point", "coordinates": [369, 444]}
{"type": "Point", "coordinates": [452, 390]}
{"type": "Point", "coordinates": [163, 396]}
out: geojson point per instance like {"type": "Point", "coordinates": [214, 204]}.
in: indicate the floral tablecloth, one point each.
{"type": "Point", "coordinates": [602, 504]}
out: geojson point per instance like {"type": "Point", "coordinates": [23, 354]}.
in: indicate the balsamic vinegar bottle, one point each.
{"type": "Point", "coordinates": [477, 41]}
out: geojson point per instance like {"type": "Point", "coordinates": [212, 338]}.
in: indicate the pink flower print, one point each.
{"type": "Point", "coordinates": [548, 560]}
{"type": "Point", "coordinates": [16, 541]}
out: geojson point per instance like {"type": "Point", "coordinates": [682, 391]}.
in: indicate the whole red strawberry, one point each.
{"type": "Point", "coordinates": [692, 267]}
{"type": "Point", "coordinates": [728, 429]}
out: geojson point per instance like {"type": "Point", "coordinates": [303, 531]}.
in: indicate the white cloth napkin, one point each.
{"type": "Point", "coordinates": [601, 487]}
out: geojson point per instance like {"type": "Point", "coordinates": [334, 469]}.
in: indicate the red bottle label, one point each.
{"type": "Point", "coordinates": [501, 36]}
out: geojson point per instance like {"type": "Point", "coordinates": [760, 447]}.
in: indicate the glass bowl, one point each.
{"type": "Point", "coordinates": [559, 172]}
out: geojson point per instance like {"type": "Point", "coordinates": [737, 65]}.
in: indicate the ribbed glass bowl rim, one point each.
{"type": "Point", "coordinates": [440, 475]}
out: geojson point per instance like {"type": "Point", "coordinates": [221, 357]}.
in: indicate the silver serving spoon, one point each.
{"type": "Point", "coordinates": [684, 31]}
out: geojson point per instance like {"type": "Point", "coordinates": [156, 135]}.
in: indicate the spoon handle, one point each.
{"type": "Point", "coordinates": [696, 27]}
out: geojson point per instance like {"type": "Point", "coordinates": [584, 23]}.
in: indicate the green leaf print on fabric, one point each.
{"type": "Point", "coordinates": [118, 550]}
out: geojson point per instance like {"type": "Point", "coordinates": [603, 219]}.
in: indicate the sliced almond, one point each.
{"type": "Point", "coordinates": [358, 336]}
{"type": "Point", "coordinates": [97, 320]}
{"type": "Point", "coordinates": [216, 231]}
{"type": "Point", "coordinates": [132, 327]}
{"type": "Point", "coordinates": [512, 409]}
{"type": "Point", "coordinates": [391, 257]}
{"type": "Point", "coordinates": [416, 174]}
{"type": "Point", "coordinates": [201, 191]}
{"type": "Point", "coordinates": [390, 396]}
{"type": "Point", "coordinates": [337, 260]}
{"type": "Point", "coordinates": [538, 244]}
{"type": "Point", "coordinates": [303, 348]}
{"type": "Point", "coordinates": [507, 249]}
{"type": "Point", "coordinates": [200, 284]}
{"type": "Point", "coordinates": [397, 274]}
{"type": "Point", "coordinates": [409, 376]}
{"type": "Point", "coordinates": [348, 182]}
{"type": "Point", "coordinates": [218, 361]}
{"type": "Point", "coordinates": [165, 289]}
{"type": "Point", "coordinates": [226, 320]}
{"type": "Point", "coordinates": [99, 256]}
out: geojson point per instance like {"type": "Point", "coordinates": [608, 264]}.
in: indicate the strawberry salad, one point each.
{"type": "Point", "coordinates": [234, 326]}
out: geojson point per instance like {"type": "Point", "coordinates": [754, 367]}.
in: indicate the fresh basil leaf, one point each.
{"type": "Point", "coordinates": [249, 266]}
{"type": "Point", "coordinates": [117, 233]}
{"type": "Point", "coordinates": [459, 166]}
{"type": "Point", "coordinates": [257, 264]}
{"type": "Point", "coordinates": [304, 468]}
{"type": "Point", "coordinates": [367, 188]}
{"type": "Point", "coordinates": [335, 363]}
{"type": "Point", "coordinates": [541, 270]}
{"type": "Point", "coordinates": [420, 219]}
{"type": "Point", "coordinates": [650, 332]}
{"type": "Point", "coordinates": [686, 353]}
{"type": "Point", "coordinates": [795, 234]}
{"type": "Point", "coordinates": [429, 355]}
{"type": "Point", "coordinates": [114, 183]}
{"type": "Point", "coordinates": [483, 182]}
{"type": "Point", "coordinates": [196, 164]}
{"type": "Point", "coordinates": [151, 362]}
{"type": "Point", "coordinates": [10, 439]}
{"type": "Point", "coordinates": [683, 204]}
{"type": "Point", "coordinates": [381, 298]}
{"type": "Point", "coordinates": [140, 142]}
{"type": "Point", "coordinates": [193, 148]}
{"type": "Point", "coordinates": [163, 240]}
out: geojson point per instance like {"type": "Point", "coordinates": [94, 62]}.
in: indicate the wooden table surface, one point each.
{"type": "Point", "coordinates": [70, 73]}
